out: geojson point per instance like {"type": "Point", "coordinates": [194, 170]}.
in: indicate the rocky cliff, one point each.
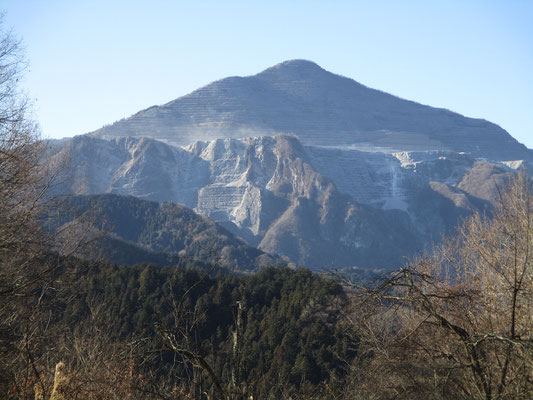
{"type": "Point", "coordinates": [318, 206]}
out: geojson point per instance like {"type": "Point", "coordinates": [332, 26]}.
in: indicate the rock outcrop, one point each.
{"type": "Point", "coordinates": [318, 206]}
{"type": "Point", "coordinates": [262, 189]}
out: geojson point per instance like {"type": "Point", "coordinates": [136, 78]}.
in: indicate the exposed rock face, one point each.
{"type": "Point", "coordinates": [263, 189]}
{"type": "Point", "coordinates": [425, 185]}
{"type": "Point", "coordinates": [143, 167]}
{"type": "Point", "coordinates": [322, 109]}
{"type": "Point", "coordinates": [318, 206]}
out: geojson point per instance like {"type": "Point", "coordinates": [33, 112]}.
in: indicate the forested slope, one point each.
{"type": "Point", "coordinates": [134, 230]}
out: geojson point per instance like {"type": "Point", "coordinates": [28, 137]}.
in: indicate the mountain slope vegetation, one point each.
{"type": "Point", "coordinates": [138, 230]}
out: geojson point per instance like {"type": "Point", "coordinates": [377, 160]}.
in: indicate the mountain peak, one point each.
{"type": "Point", "coordinates": [297, 66]}
{"type": "Point", "coordinates": [322, 109]}
{"type": "Point", "coordinates": [297, 63]}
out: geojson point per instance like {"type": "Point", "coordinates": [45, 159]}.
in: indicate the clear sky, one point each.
{"type": "Point", "coordinates": [94, 62]}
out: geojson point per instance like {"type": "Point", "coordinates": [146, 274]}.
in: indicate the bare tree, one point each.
{"type": "Point", "coordinates": [28, 270]}
{"type": "Point", "coordinates": [457, 323]}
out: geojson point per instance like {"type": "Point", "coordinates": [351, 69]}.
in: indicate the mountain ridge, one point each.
{"type": "Point", "coordinates": [130, 230]}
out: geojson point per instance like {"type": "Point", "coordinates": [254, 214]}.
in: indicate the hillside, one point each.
{"type": "Point", "coordinates": [139, 231]}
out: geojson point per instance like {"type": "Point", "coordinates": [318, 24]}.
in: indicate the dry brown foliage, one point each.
{"type": "Point", "coordinates": [29, 271]}
{"type": "Point", "coordinates": [457, 323]}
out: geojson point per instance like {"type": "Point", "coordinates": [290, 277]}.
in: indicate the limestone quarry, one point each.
{"type": "Point", "coordinates": [304, 163]}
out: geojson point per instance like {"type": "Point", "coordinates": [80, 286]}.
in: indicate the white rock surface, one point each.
{"type": "Point", "coordinates": [289, 198]}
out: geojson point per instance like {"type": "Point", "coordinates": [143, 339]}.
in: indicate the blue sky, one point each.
{"type": "Point", "coordinates": [94, 62]}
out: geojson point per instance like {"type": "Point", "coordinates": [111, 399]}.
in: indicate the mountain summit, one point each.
{"type": "Point", "coordinates": [294, 69]}
{"type": "Point", "coordinates": [321, 108]}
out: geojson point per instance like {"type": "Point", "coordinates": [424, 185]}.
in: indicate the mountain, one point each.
{"type": "Point", "coordinates": [318, 206]}
{"type": "Point", "coordinates": [137, 231]}
{"type": "Point", "coordinates": [364, 179]}
{"type": "Point", "coordinates": [263, 189]}
{"type": "Point", "coordinates": [322, 109]}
